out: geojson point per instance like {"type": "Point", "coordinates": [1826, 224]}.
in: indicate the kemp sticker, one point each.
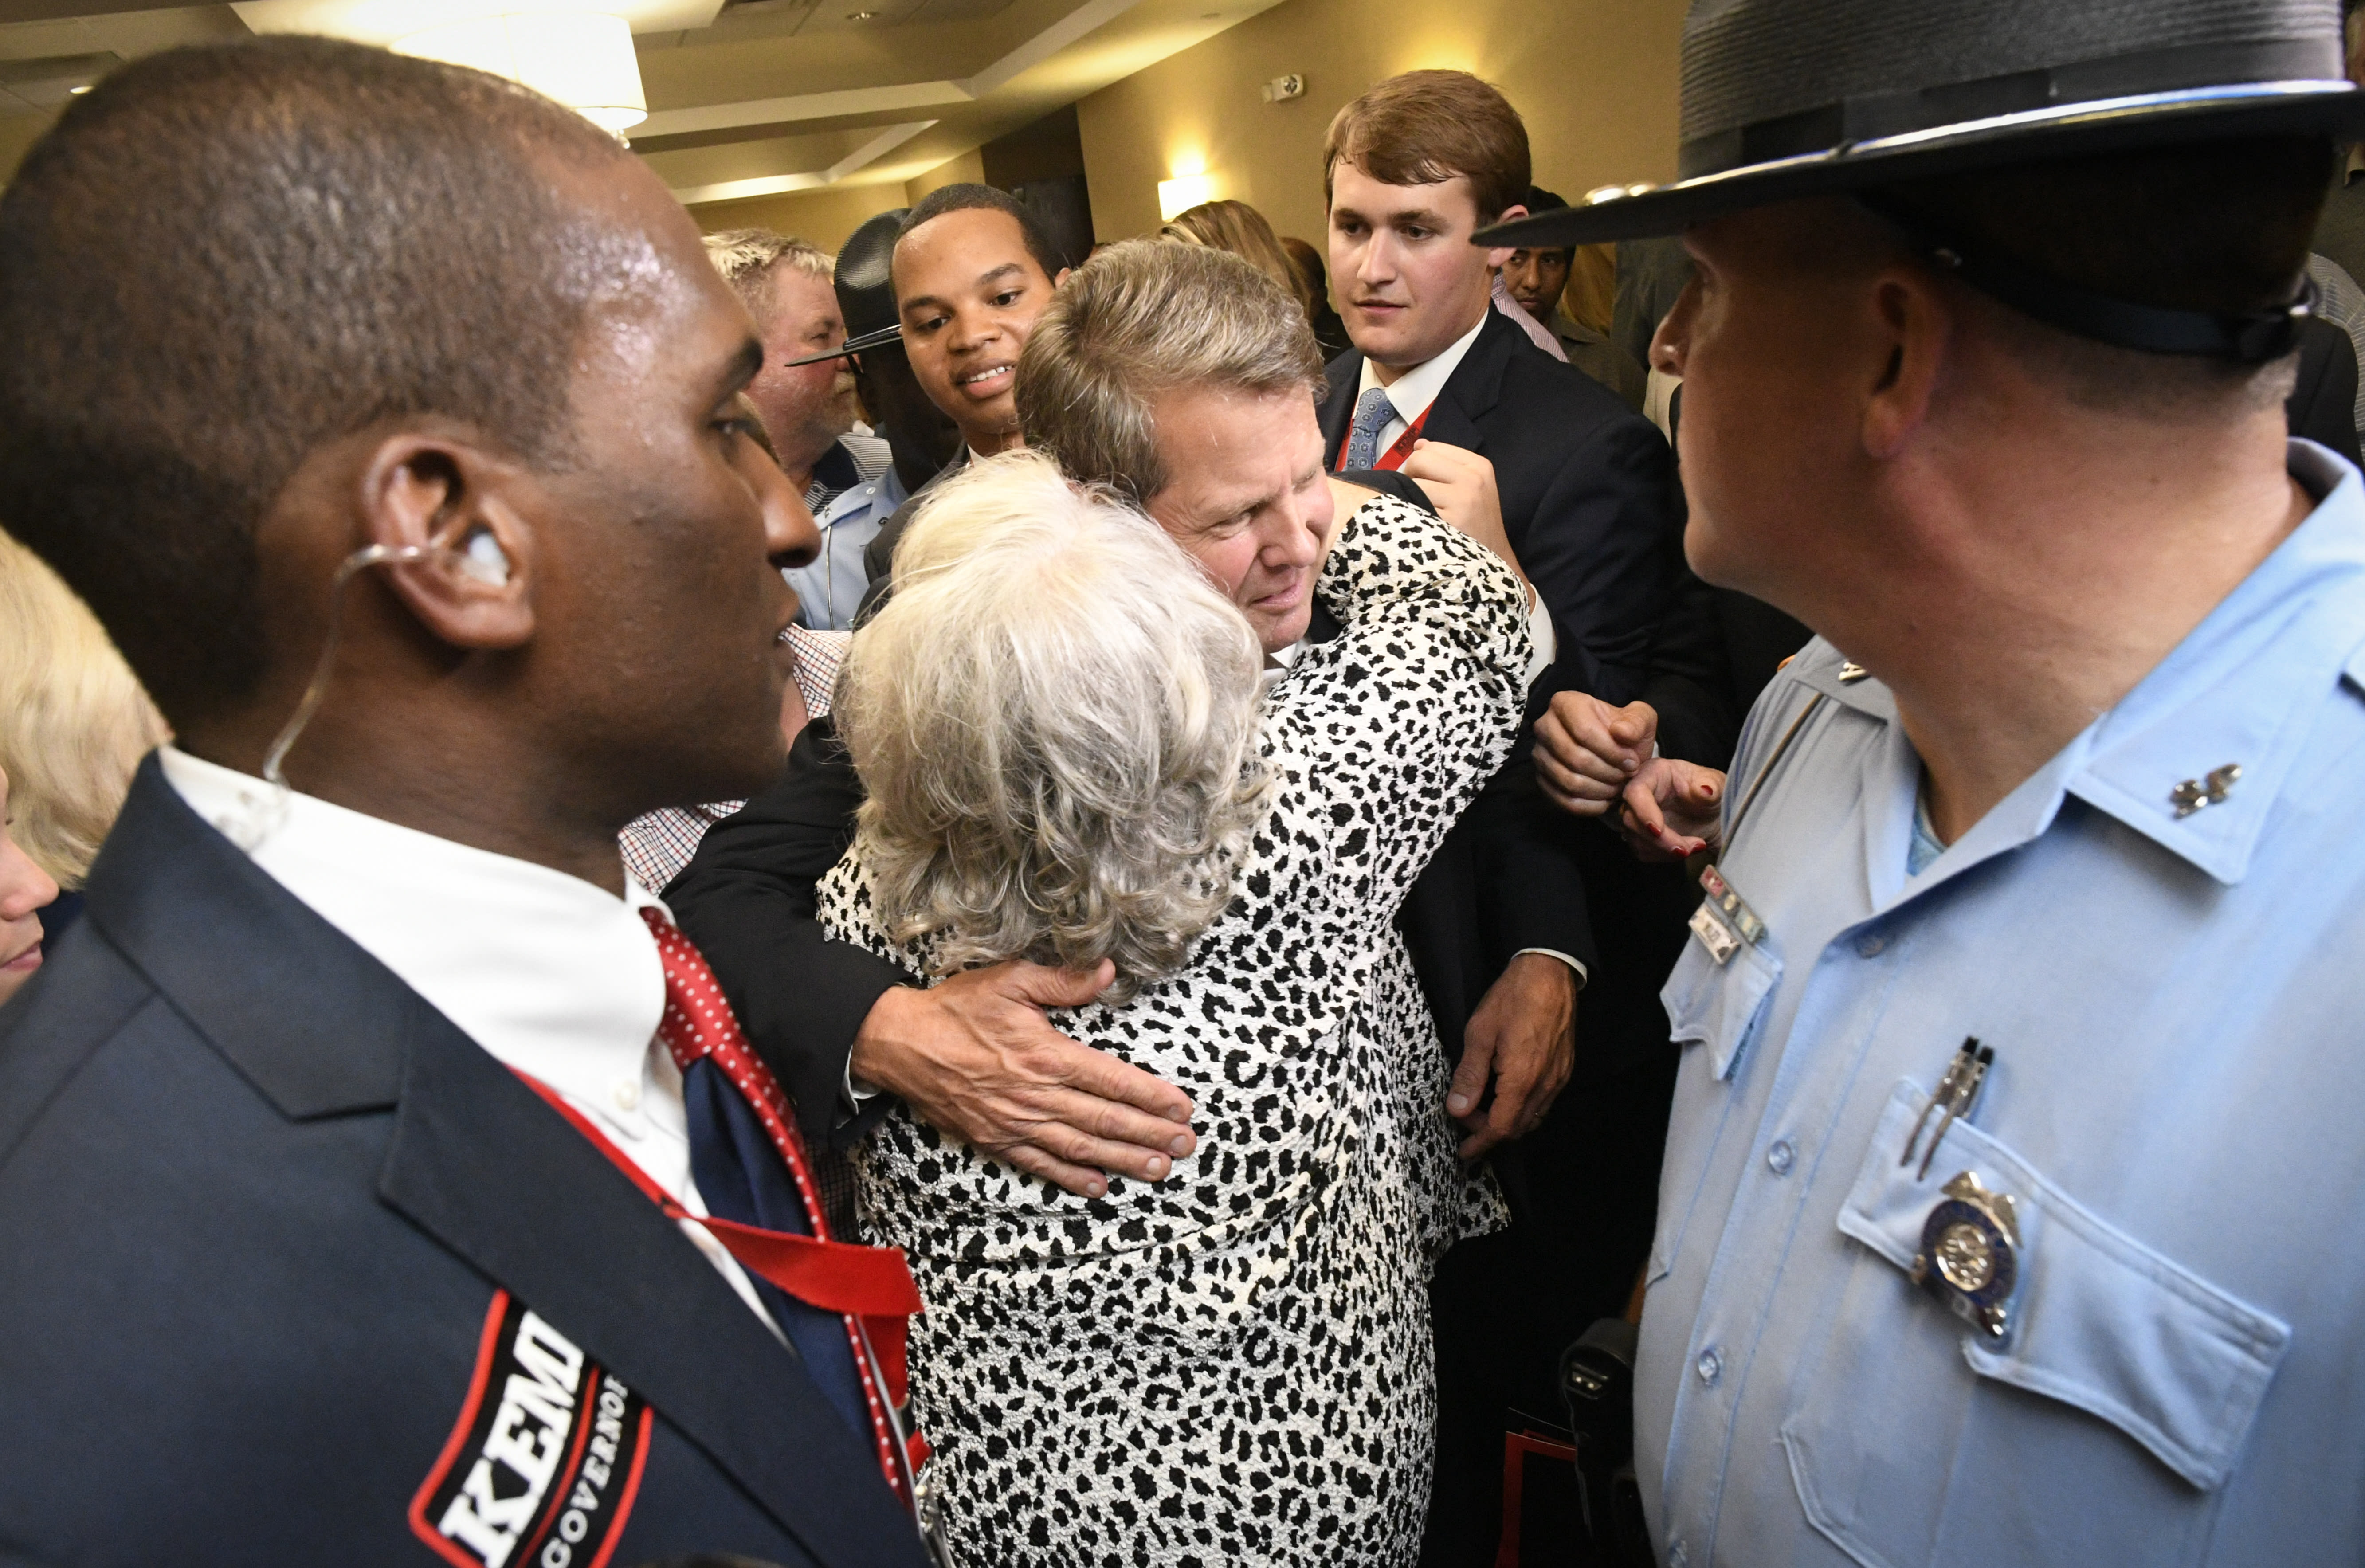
{"type": "Point", "coordinates": [542, 1467]}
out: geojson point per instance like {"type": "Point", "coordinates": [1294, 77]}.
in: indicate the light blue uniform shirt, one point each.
{"type": "Point", "coordinates": [829, 590]}
{"type": "Point", "coordinates": [2177, 1007]}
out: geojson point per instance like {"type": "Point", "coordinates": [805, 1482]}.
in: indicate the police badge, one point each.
{"type": "Point", "coordinates": [1969, 1255]}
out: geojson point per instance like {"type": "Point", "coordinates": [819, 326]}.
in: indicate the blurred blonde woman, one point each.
{"type": "Point", "coordinates": [74, 720]}
{"type": "Point", "coordinates": [1237, 226]}
{"type": "Point", "coordinates": [73, 725]}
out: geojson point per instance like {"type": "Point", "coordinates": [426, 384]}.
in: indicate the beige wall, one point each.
{"type": "Point", "coordinates": [1594, 79]}
{"type": "Point", "coordinates": [967, 169]}
{"type": "Point", "coordinates": [818, 218]}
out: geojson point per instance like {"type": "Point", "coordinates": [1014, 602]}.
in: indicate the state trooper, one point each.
{"type": "Point", "coordinates": [2011, 1181]}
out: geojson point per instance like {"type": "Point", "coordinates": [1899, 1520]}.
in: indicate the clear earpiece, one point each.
{"type": "Point", "coordinates": [482, 558]}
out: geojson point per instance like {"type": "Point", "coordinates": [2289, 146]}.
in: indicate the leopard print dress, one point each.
{"type": "Point", "coordinates": [1233, 1366]}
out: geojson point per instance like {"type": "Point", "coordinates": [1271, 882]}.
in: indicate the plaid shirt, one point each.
{"type": "Point", "coordinates": [658, 846]}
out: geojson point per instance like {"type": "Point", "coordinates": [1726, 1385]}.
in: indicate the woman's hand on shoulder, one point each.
{"type": "Point", "coordinates": [1461, 486]}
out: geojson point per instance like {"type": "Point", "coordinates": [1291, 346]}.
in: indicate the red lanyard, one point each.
{"type": "Point", "coordinates": [1394, 457]}
{"type": "Point", "coordinates": [871, 1285]}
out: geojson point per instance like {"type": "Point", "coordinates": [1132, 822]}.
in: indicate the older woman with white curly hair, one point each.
{"type": "Point", "coordinates": [1056, 716]}
{"type": "Point", "coordinates": [1056, 719]}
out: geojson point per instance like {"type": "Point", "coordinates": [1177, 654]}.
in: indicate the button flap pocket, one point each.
{"type": "Point", "coordinates": [1718, 1005]}
{"type": "Point", "coordinates": [2100, 1321]}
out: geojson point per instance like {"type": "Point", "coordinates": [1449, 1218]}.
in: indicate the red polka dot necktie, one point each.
{"type": "Point", "coordinates": [751, 1169]}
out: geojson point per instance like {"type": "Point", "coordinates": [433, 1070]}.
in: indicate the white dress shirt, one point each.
{"type": "Point", "coordinates": [1416, 388]}
{"type": "Point", "coordinates": [555, 977]}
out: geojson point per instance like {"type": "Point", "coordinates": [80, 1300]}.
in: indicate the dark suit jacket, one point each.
{"type": "Point", "coordinates": [1587, 487]}
{"type": "Point", "coordinates": [748, 900]}
{"type": "Point", "coordinates": [1716, 649]}
{"type": "Point", "coordinates": [268, 1217]}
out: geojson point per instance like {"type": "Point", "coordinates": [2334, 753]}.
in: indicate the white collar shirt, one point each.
{"type": "Point", "coordinates": [1416, 388]}
{"type": "Point", "coordinates": [555, 977]}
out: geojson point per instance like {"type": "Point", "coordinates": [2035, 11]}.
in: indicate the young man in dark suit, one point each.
{"type": "Point", "coordinates": [356, 1146]}
{"type": "Point", "coordinates": [1412, 169]}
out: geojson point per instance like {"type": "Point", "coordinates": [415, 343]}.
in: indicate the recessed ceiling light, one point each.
{"type": "Point", "coordinates": [78, 90]}
{"type": "Point", "coordinates": [861, 15]}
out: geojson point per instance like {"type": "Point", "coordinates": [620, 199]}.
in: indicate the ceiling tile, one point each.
{"type": "Point", "coordinates": [129, 36]}
{"type": "Point", "coordinates": [870, 15]}
{"type": "Point", "coordinates": [960, 10]}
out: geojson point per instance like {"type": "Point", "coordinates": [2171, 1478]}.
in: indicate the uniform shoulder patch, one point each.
{"type": "Point", "coordinates": [544, 1461]}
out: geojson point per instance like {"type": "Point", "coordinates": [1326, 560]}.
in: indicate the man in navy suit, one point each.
{"type": "Point", "coordinates": [1412, 169]}
{"type": "Point", "coordinates": [352, 1149]}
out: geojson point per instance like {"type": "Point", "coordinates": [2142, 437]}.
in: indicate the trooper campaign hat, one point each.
{"type": "Point", "coordinates": [866, 293]}
{"type": "Point", "coordinates": [1784, 99]}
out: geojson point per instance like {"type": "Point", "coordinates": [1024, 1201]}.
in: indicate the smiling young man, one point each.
{"type": "Point", "coordinates": [355, 1140]}
{"type": "Point", "coordinates": [971, 272]}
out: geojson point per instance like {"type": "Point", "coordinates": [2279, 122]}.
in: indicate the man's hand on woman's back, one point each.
{"type": "Point", "coordinates": [976, 1057]}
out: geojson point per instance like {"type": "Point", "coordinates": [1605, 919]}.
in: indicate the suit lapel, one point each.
{"type": "Point", "coordinates": [1344, 374]}
{"type": "Point", "coordinates": [295, 1006]}
{"type": "Point", "coordinates": [479, 1161]}
{"type": "Point", "coordinates": [1470, 393]}
{"type": "Point", "coordinates": [483, 1165]}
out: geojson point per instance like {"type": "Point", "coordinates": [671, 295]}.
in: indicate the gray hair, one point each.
{"type": "Point", "coordinates": [1054, 716]}
{"type": "Point", "coordinates": [745, 258]}
{"type": "Point", "coordinates": [1140, 319]}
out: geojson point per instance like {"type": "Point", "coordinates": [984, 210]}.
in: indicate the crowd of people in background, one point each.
{"type": "Point", "coordinates": [948, 902]}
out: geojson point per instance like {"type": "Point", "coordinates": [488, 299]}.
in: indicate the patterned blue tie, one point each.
{"type": "Point", "coordinates": [1372, 412]}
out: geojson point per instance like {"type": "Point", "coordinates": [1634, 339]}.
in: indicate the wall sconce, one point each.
{"type": "Point", "coordinates": [1183, 192]}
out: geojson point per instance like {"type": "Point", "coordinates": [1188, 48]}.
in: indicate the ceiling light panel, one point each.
{"type": "Point", "coordinates": [383, 21]}
{"type": "Point", "coordinates": [584, 59]}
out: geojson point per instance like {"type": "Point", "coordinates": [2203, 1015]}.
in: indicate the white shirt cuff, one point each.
{"type": "Point", "coordinates": [852, 1094]}
{"type": "Point", "coordinates": [1547, 645]}
{"type": "Point", "coordinates": [1583, 975]}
